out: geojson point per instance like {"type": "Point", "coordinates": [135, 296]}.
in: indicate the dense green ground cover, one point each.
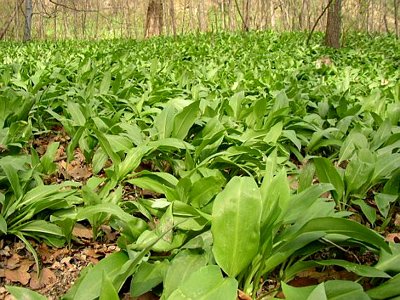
{"type": "Point", "coordinates": [258, 153]}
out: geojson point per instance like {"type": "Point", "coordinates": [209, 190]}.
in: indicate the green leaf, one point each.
{"type": "Point", "coordinates": [344, 290]}
{"type": "Point", "coordinates": [90, 286]}
{"type": "Point", "coordinates": [327, 173]}
{"type": "Point", "coordinates": [163, 122]}
{"type": "Point", "coordinates": [77, 116]}
{"type": "Point", "coordinates": [136, 225]}
{"type": "Point", "coordinates": [359, 170]}
{"type": "Point", "coordinates": [274, 133]}
{"type": "Point", "coordinates": [48, 158]}
{"type": "Point", "coordinates": [132, 160]}
{"type": "Point", "coordinates": [206, 283]}
{"type": "Point", "coordinates": [368, 211]}
{"type": "Point", "coordinates": [347, 228]}
{"type": "Point", "coordinates": [13, 178]}
{"type": "Point", "coordinates": [387, 290]}
{"type": "Point", "coordinates": [21, 293]}
{"type": "Point", "coordinates": [104, 143]}
{"type": "Point", "coordinates": [383, 202]}
{"type": "Point", "coordinates": [100, 158]}
{"type": "Point", "coordinates": [354, 141]}
{"type": "Point", "coordinates": [147, 277]}
{"type": "Point", "coordinates": [108, 291]}
{"type": "Point", "coordinates": [182, 266]}
{"type": "Point", "coordinates": [3, 225]}
{"type": "Point", "coordinates": [235, 241]}
{"type": "Point", "coordinates": [390, 261]}
{"type": "Point", "coordinates": [306, 176]}
{"type": "Point", "coordinates": [361, 270]}
{"type": "Point", "coordinates": [105, 83]}
{"type": "Point", "coordinates": [184, 120]}
{"type": "Point", "coordinates": [204, 190]}
{"type": "Point", "coordinates": [298, 293]}
{"type": "Point", "coordinates": [385, 165]}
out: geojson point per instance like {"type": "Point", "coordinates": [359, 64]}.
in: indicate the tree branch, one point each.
{"type": "Point", "coordinates": [8, 22]}
{"type": "Point", "coordinates": [73, 8]}
{"type": "Point", "coordinates": [317, 21]}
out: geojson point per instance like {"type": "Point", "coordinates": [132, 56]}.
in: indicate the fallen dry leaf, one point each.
{"type": "Point", "coordinates": [20, 274]}
{"type": "Point", "coordinates": [393, 237]}
{"type": "Point", "coordinates": [243, 296]}
{"type": "Point", "coordinates": [47, 279]}
{"type": "Point", "coordinates": [397, 220]}
{"type": "Point", "coordinates": [13, 262]}
{"type": "Point", "coordinates": [82, 232]}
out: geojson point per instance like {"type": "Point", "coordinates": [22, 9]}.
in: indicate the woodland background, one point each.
{"type": "Point", "coordinates": [104, 19]}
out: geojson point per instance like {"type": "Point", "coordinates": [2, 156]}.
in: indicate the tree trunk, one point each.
{"type": "Point", "coordinates": [28, 20]}
{"type": "Point", "coordinates": [396, 17]}
{"type": "Point", "coordinates": [334, 24]}
{"type": "Point", "coordinates": [154, 18]}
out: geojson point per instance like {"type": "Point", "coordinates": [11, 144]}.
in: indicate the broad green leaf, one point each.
{"type": "Point", "coordinates": [298, 293]}
{"type": "Point", "coordinates": [119, 143]}
{"type": "Point", "coordinates": [13, 178]}
{"type": "Point", "coordinates": [184, 120]}
{"type": "Point", "coordinates": [105, 144]}
{"type": "Point", "coordinates": [368, 211]}
{"type": "Point", "coordinates": [301, 202]}
{"type": "Point", "coordinates": [47, 159]}
{"type": "Point", "coordinates": [75, 111]}
{"type": "Point", "coordinates": [344, 290]}
{"type": "Point", "coordinates": [3, 225]}
{"type": "Point", "coordinates": [206, 283]}
{"type": "Point", "coordinates": [327, 173]}
{"type": "Point", "coordinates": [274, 133]}
{"type": "Point", "coordinates": [21, 293]}
{"type": "Point", "coordinates": [136, 225]}
{"type": "Point", "coordinates": [275, 199]}
{"type": "Point", "coordinates": [100, 158]}
{"type": "Point", "coordinates": [204, 190]}
{"type": "Point", "coordinates": [385, 165]}
{"type": "Point", "coordinates": [182, 266]}
{"type": "Point", "coordinates": [361, 270]}
{"type": "Point", "coordinates": [132, 161]}
{"type": "Point", "coordinates": [383, 202]}
{"type": "Point", "coordinates": [74, 142]}
{"type": "Point", "coordinates": [306, 176]}
{"type": "Point", "coordinates": [105, 83]}
{"type": "Point", "coordinates": [387, 290]}
{"type": "Point", "coordinates": [159, 182]}
{"type": "Point", "coordinates": [91, 285]}
{"type": "Point", "coordinates": [381, 135]}
{"type": "Point", "coordinates": [164, 122]}
{"type": "Point", "coordinates": [235, 241]}
{"type": "Point", "coordinates": [147, 277]}
{"type": "Point", "coordinates": [347, 228]}
{"type": "Point", "coordinates": [108, 291]}
{"type": "Point", "coordinates": [389, 262]}
{"type": "Point", "coordinates": [359, 170]}
{"type": "Point", "coordinates": [354, 141]}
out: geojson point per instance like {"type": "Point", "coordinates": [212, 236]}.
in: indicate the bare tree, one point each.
{"type": "Point", "coordinates": [28, 20]}
{"type": "Point", "coordinates": [3, 31]}
{"type": "Point", "coordinates": [396, 17]}
{"type": "Point", "coordinates": [334, 24]}
{"type": "Point", "coordinates": [154, 18]}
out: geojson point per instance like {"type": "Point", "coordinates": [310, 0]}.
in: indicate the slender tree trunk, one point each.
{"type": "Point", "coordinates": [172, 15]}
{"type": "Point", "coordinates": [334, 24]}
{"type": "Point", "coordinates": [28, 20]}
{"type": "Point", "coordinates": [396, 17]}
